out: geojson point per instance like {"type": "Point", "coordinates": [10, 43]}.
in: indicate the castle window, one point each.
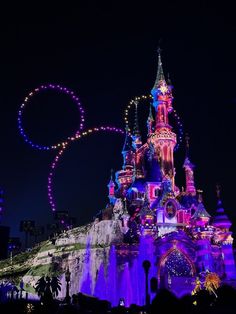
{"type": "Point", "coordinates": [135, 195]}
{"type": "Point", "coordinates": [156, 192]}
{"type": "Point", "coordinates": [140, 195]}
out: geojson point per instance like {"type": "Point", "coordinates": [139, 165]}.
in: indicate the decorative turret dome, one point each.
{"type": "Point", "coordinates": [201, 216]}
{"type": "Point", "coordinates": [187, 163]}
{"type": "Point", "coordinates": [201, 212]}
{"type": "Point", "coordinates": [221, 220]}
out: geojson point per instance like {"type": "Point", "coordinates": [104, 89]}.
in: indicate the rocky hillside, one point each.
{"type": "Point", "coordinates": [75, 248]}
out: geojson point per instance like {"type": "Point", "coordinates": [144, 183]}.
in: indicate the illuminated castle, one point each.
{"type": "Point", "coordinates": [186, 240]}
{"type": "Point", "coordinates": [147, 218]}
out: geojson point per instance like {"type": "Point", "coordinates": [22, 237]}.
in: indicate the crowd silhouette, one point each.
{"type": "Point", "coordinates": [203, 301]}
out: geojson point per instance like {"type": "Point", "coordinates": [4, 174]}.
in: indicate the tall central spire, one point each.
{"type": "Point", "coordinates": [160, 73]}
{"type": "Point", "coordinates": [164, 140]}
{"type": "Point", "coordinates": [162, 96]}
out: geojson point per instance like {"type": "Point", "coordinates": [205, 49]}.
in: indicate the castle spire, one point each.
{"type": "Point", "coordinates": [127, 149]}
{"type": "Point", "coordinates": [127, 145]}
{"type": "Point", "coordinates": [160, 73]}
{"type": "Point", "coordinates": [221, 220]}
{"type": "Point", "coordinates": [111, 188]}
{"type": "Point", "coordinates": [187, 138]}
{"type": "Point", "coordinates": [137, 142]}
{"type": "Point", "coordinates": [218, 191]}
{"type": "Point", "coordinates": [150, 121]}
{"type": "Point", "coordinates": [189, 173]}
{"type": "Point", "coordinates": [150, 116]}
{"type": "Point", "coordinates": [136, 125]}
{"type": "Point", "coordinates": [165, 140]}
{"type": "Point", "coordinates": [201, 217]}
{"type": "Point", "coordinates": [162, 96]}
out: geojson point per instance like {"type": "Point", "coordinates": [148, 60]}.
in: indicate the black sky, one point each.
{"type": "Point", "coordinates": [106, 53]}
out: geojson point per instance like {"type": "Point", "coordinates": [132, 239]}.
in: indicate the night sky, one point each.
{"type": "Point", "coordinates": [107, 54]}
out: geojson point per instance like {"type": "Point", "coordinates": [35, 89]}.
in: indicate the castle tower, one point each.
{"type": "Point", "coordinates": [221, 220]}
{"type": "Point", "coordinates": [137, 142]}
{"type": "Point", "coordinates": [124, 177]}
{"type": "Point", "coordinates": [224, 236]}
{"type": "Point", "coordinates": [111, 189]}
{"type": "Point", "coordinates": [201, 217]}
{"type": "Point", "coordinates": [150, 121]}
{"type": "Point", "coordinates": [127, 152]}
{"type": "Point", "coordinates": [200, 223]}
{"type": "Point", "coordinates": [189, 174]}
{"type": "Point", "coordinates": [164, 140]}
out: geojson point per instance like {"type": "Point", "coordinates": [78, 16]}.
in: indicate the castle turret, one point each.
{"type": "Point", "coordinates": [189, 174]}
{"type": "Point", "coordinates": [162, 96]}
{"type": "Point", "coordinates": [224, 237]}
{"type": "Point", "coordinates": [111, 189]}
{"type": "Point", "coordinates": [124, 177]}
{"type": "Point", "coordinates": [150, 121]}
{"type": "Point", "coordinates": [203, 234]}
{"type": "Point", "coordinates": [125, 218]}
{"type": "Point", "coordinates": [127, 152]}
{"type": "Point", "coordinates": [201, 217]}
{"type": "Point", "coordinates": [137, 142]}
{"type": "Point", "coordinates": [164, 140]}
{"type": "Point", "coordinates": [221, 220]}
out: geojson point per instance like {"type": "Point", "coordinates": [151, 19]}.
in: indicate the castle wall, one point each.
{"type": "Point", "coordinates": [204, 255]}
{"type": "Point", "coordinates": [229, 263]}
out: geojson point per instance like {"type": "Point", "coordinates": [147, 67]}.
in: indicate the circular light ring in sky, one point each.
{"type": "Point", "coordinates": [62, 90]}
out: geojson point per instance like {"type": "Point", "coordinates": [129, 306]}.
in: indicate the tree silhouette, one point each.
{"type": "Point", "coordinates": [48, 292]}
{"type": "Point", "coordinates": [48, 288]}
{"type": "Point", "coordinates": [40, 287]}
{"type": "Point", "coordinates": [55, 286]}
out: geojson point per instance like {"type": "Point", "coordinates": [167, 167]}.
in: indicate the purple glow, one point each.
{"type": "Point", "coordinates": [100, 290]}
{"type": "Point", "coordinates": [86, 281]}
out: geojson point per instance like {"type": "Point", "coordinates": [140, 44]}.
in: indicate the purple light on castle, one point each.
{"type": "Point", "coordinates": [147, 217]}
{"type": "Point", "coordinates": [159, 222]}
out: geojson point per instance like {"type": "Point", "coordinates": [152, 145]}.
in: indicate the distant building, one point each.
{"type": "Point", "coordinates": [4, 238]}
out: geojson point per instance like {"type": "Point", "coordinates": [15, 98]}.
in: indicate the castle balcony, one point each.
{"type": "Point", "coordinates": [163, 134]}
{"type": "Point", "coordinates": [169, 224]}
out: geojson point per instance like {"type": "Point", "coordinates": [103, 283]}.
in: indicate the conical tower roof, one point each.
{"type": "Point", "coordinates": [160, 73]}
{"type": "Point", "coordinates": [136, 131]}
{"type": "Point", "coordinates": [150, 116]}
{"type": "Point", "coordinates": [127, 144]}
{"type": "Point", "coordinates": [221, 220]}
{"type": "Point", "coordinates": [187, 163]}
{"type": "Point", "coordinates": [201, 212]}
{"type": "Point", "coordinates": [111, 182]}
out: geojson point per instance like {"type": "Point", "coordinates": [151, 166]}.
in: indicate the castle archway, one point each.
{"type": "Point", "coordinates": [174, 264]}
